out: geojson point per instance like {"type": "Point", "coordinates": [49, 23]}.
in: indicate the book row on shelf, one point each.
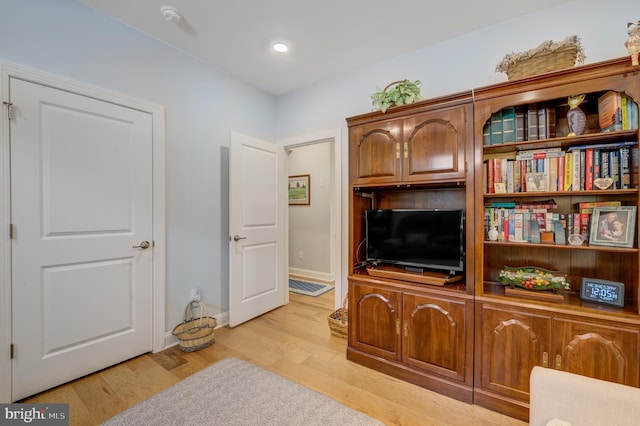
{"type": "Point", "coordinates": [518, 124]}
{"type": "Point", "coordinates": [615, 112]}
{"type": "Point", "coordinates": [540, 223]}
{"type": "Point", "coordinates": [578, 168]}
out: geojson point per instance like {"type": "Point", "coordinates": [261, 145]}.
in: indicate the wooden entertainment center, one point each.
{"type": "Point", "coordinates": [469, 339]}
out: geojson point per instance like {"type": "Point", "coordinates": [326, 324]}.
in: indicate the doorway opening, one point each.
{"type": "Point", "coordinates": [314, 231]}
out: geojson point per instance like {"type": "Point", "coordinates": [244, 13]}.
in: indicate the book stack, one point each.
{"type": "Point", "coordinates": [521, 223]}
{"type": "Point", "coordinates": [519, 124]}
{"type": "Point", "coordinates": [555, 170]}
{"type": "Point", "coordinates": [617, 111]}
{"type": "Point", "coordinates": [613, 161]}
{"type": "Point", "coordinates": [538, 222]}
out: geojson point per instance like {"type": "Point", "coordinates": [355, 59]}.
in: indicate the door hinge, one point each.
{"type": "Point", "coordinates": [11, 231]}
{"type": "Point", "coordinates": [9, 109]}
{"type": "Point", "coordinates": [11, 351]}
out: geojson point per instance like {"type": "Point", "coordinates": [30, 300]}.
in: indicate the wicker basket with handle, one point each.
{"type": "Point", "coordinates": [195, 333]}
{"type": "Point", "coordinates": [338, 320]}
{"type": "Point", "coordinates": [547, 57]}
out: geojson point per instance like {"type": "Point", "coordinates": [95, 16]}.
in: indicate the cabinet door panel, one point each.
{"type": "Point", "coordinates": [435, 146]}
{"type": "Point", "coordinates": [606, 353]}
{"type": "Point", "coordinates": [512, 344]}
{"type": "Point", "coordinates": [375, 314]}
{"type": "Point", "coordinates": [434, 335]}
{"type": "Point", "coordinates": [376, 150]}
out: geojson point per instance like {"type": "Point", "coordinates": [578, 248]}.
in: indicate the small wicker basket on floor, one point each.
{"type": "Point", "coordinates": [547, 57]}
{"type": "Point", "coordinates": [338, 320]}
{"type": "Point", "coordinates": [195, 333]}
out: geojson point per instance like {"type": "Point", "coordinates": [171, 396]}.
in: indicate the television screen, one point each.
{"type": "Point", "coordinates": [431, 239]}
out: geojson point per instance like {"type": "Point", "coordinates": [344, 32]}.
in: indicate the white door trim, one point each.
{"type": "Point", "coordinates": [8, 70]}
{"type": "Point", "coordinates": [339, 217]}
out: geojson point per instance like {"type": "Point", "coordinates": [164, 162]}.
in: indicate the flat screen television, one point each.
{"type": "Point", "coordinates": [417, 239]}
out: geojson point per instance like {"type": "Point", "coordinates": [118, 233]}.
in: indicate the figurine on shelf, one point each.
{"type": "Point", "coordinates": [633, 42]}
{"type": "Point", "coordinates": [576, 119]}
{"type": "Point", "coordinates": [493, 233]}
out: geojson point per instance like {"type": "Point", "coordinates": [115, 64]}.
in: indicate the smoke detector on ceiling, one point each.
{"type": "Point", "coordinates": [170, 14]}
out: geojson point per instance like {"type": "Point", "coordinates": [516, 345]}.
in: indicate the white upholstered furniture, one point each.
{"type": "Point", "coordinates": [558, 396]}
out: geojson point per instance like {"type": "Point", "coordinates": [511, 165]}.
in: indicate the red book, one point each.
{"type": "Point", "coordinates": [497, 171]}
{"type": "Point", "coordinates": [506, 225]}
{"type": "Point", "coordinates": [490, 189]}
{"type": "Point", "coordinates": [542, 221]}
{"type": "Point", "coordinates": [588, 170]}
{"type": "Point", "coordinates": [576, 223]}
{"type": "Point", "coordinates": [584, 225]}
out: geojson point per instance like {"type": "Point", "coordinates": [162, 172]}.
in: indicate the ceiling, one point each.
{"type": "Point", "coordinates": [326, 38]}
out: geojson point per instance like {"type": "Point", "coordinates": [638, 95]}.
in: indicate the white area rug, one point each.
{"type": "Point", "coordinates": [237, 393]}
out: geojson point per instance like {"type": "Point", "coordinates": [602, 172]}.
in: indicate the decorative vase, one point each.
{"type": "Point", "coordinates": [493, 234]}
{"type": "Point", "coordinates": [576, 119]}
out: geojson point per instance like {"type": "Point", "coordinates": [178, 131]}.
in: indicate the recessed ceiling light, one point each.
{"type": "Point", "coordinates": [280, 47]}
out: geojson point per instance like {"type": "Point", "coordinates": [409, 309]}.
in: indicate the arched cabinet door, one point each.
{"type": "Point", "coordinates": [512, 343]}
{"type": "Point", "coordinates": [376, 151]}
{"type": "Point", "coordinates": [374, 317]}
{"type": "Point", "coordinates": [434, 147]}
{"type": "Point", "coordinates": [434, 337]}
{"type": "Point", "coordinates": [602, 352]}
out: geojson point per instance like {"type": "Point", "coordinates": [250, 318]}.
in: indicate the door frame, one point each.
{"type": "Point", "coordinates": [339, 216]}
{"type": "Point", "coordinates": [8, 70]}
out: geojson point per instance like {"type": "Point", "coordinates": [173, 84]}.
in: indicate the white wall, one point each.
{"type": "Point", "coordinates": [459, 64]}
{"type": "Point", "coordinates": [202, 105]}
{"type": "Point", "coordinates": [310, 226]}
{"type": "Point", "coordinates": [455, 65]}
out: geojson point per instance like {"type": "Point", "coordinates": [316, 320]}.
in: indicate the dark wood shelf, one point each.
{"type": "Point", "coordinates": [562, 247]}
{"type": "Point", "coordinates": [563, 142]}
{"type": "Point", "coordinates": [572, 302]}
{"type": "Point", "coordinates": [608, 192]}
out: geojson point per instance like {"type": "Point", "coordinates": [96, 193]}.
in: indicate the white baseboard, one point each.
{"type": "Point", "coordinates": [323, 277]}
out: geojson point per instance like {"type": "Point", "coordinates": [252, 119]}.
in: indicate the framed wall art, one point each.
{"type": "Point", "coordinates": [300, 190]}
{"type": "Point", "coordinates": [613, 226]}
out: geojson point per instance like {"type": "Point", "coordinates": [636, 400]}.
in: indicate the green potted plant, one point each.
{"type": "Point", "coordinates": [403, 92]}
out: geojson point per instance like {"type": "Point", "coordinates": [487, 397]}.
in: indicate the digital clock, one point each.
{"type": "Point", "coordinates": [602, 291]}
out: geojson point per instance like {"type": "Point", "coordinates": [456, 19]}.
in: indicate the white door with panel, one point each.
{"type": "Point", "coordinates": [81, 209]}
{"type": "Point", "coordinates": [257, 203]}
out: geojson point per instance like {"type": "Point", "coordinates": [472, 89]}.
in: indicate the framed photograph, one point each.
{"type": "Point", "coordinates": [613, 226]}
{"type": "Point", "coordinates": [500, 188]}
{"type": "Point", "coordinates": [299, 190]}
{"type": "Point", "coordinates": [536, 182]}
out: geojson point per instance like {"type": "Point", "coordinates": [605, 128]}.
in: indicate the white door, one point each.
{"type": "Point", "coordinates": [257, 203]}
{"type": "Point", "coordinates": [81, 199]}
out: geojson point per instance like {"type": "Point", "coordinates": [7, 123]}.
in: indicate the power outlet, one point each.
{"type": "Point", "coordinates": [195, 295]}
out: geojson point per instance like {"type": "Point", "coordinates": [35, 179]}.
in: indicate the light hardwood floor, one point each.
{"type": "Point", "coordinates": [293, 341]}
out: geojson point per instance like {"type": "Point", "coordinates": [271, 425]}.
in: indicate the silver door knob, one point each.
{"type": "Point", "coordinates": [143, 245]}
{"type": "Point", "coordinates": [237, 238]}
